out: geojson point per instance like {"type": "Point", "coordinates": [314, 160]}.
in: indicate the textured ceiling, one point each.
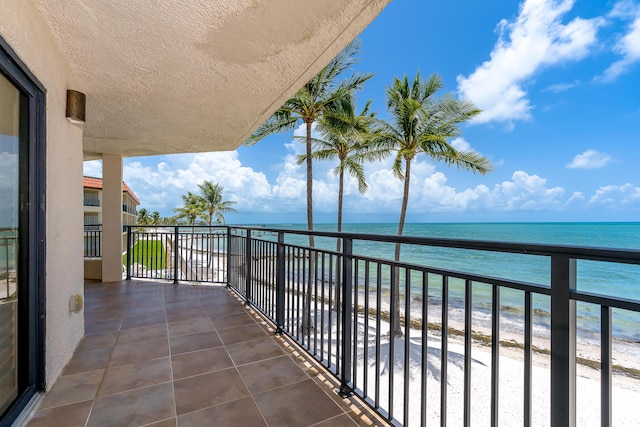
{"type": "Point", "coordinates": [176, 76]}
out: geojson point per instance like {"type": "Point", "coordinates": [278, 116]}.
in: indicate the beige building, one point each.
{"type": "Point", "coordinates": [93, 202]}
{"type": "Point", "coordinates": [146, 78]}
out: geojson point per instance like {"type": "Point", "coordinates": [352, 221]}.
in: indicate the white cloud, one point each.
{"type": "Point", "coordinates": [92, 168]}
{"type": "Point", "coordinates": [617, 196]}
{"type": "Point", "coordinates": [590, 159]}
{"type": "Point", "coordinates": [461, 144]}
{"type": "Point", "coordinates": [628, 46]}
{"type": "Point", "coordinates": [159, 183]}
{"type": "Point", "coordinates": [159, 187]}
{"type": "Point", "coordinates": [537, 38]}
{"type": "Point", "coordinates": [561, 87]}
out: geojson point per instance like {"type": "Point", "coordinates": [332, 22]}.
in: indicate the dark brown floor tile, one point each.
{"type": "Point", "coordinates": [171, 422]}
{"type": "Point", "coordinates": [103, 314]}
{"type": "Point", "coordinates": [85, 361]}
{"type": "Point", "coordinates": [74, 415]}
{"type": "Point", "coordinates": [233, 320]}
{"type": "Point", "coordinates": [254, 350]}
{"type": "Point", "coordinates": [144, 320]}
{"type": "Point", "coordinates": [72, 389]}
{"type": "Point", "coordinates": [216, 312]}
{"type": "Point", "coordinates": [223, 298]}
{"type": "Point", "coordinates": [185, 314]}
{"type": "Point", "coordinates": [145, 333]}
{"type": "Point", "coordinates": [206, 390]}
{"type": "Point", "coordinates": [242, 333]}
{"type": "Point", "coordinates": [135, 375]}
{"type": "Point", "coordinates": [191, 326]}
{"type": "Point", "coordinates": [101, 327]}
{"type": "Point", "coordinates": [200, 362]}
{"type": "Point", "coordinates": [136, 352]}
{"type": "Point", "coordinates": [271, 373]}
{"type": "Point", "coordinates": [299, 404]}
{"type": "Point", "coordinates": [95, 342]}
{"type": "Point", "coordinates": [193, 342]}
{"type": "Point", "coordinates": [134, 408]}
{"type": "Point", "coordinates": [175, 307]}
{"type": "Point", "coordinates": [242, 412]}
{"type": "Point", "coordinates": [340, 421]}
{"type": "Point", "coordinates": [147, 309]}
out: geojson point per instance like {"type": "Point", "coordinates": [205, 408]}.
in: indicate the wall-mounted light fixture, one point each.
{"type": "Point", "coordinates": [76, 103]}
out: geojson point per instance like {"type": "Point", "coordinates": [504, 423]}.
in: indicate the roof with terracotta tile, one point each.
{"type": "Point", "coordinates": [96, 183]}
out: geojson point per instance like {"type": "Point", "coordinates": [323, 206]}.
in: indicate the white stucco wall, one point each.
{"type": "Point", "coordinates": [22, 26]}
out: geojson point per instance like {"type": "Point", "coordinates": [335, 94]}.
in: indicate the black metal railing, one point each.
{"type": "Point", "coordinates": [390, 331]}
{"type": "Point", "coordinates": [178, 253]}
{"type": "Point", "coordinates": [92, 240]}
{"type": "Point", "coordinates": [91, 202]}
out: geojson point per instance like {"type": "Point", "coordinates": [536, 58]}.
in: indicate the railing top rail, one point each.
{"type": "Point", "coordinates": [626, 256]}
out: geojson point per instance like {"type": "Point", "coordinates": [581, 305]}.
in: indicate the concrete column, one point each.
{"type": "Point", "coordinates": [111, 217]}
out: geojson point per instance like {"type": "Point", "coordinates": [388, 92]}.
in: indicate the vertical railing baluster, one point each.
{"type": "Point", "coordinates": [280, 283]}
{"type": "Point", "coordinates": [563, 341]}
{"type": "Point", "coordinates": [407, 342]}
{"type": "Point", "coordinates": [444, 351]}
{"type": "Point", "coordinates": [528, 359]}
{"type": "Point", "coordinates": [378, 321]}
{"type": "Point", "coordinates": [347, 312]}
{"type": "Point", "coordinates": [248, 271]}
{"type": "Point", "coordinates": [424, 349]}
{"type": "Point", "coordinates": [468, 304]}
{"type": "Point", "coordinates": [176, 245]}
{"type": "Point", "coordinates": [606, 415]}
{"type": "Point", "coordinates": [395, 279]}
{"type": "Point", "coordinates": [365, 358]}
{"type": "Point", "coordinates": [355, 291]}
{"type": "Point", "coordinates": [228, 252]}
{"type": "Point", "coordinates": [128, 252]}
{"type": "Point", "coordinates": [495, 354]}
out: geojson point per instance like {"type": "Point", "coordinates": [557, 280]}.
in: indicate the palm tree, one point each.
{"type": "Point", "coordinates": [346, 136]}
{"type": "Point", "coordinates": [212, 203]}
{"type": "Point", "coordinates": [422, 123]}
{"type": "Point", "coordinates": [143, 217]}
{"type": "Point", "coordinates": [154, 218]}
{"type": "Point", "coordinates": [192, 208]}
{"type": "Point", "coordinates": [309, 104]}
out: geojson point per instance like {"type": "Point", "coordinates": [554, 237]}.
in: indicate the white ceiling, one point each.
{"type": "Point", "coordinates": [176, 76]}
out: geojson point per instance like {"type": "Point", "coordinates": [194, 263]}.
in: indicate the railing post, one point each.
{"type": "Point", "coordinates": [247, 254]}
{"type": "Point", "coordinates": [229, 263]}
{"type": "Point", "coordinates": [347, 313]}
{"type": "Point", "coordinates": [563, 341]}
{"type": "Point", "coordinates": [128, 252]}
{"type": "Point", "coordinates": [280, 284]}
{"type": "Point", "coordinates": [176, 245]}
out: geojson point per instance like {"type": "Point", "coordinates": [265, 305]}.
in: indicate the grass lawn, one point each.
{"type": "Point", "coordinates": [150, 253]}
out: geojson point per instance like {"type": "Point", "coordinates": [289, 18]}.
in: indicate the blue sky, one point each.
{"type": "Point", "coordinates": [559, 86]}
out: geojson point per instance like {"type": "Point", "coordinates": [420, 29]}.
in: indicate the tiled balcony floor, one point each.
{"type": "Point", "coordinates": [157, 354]}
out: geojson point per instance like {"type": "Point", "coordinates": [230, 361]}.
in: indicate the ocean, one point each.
{"type": "Point", "coordinates": [618, 280]}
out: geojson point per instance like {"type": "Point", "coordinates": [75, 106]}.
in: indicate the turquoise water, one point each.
{"type": "Point", "coordinates": [609, 279]}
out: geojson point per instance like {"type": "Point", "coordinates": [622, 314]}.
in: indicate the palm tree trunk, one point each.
{"type": "Point", "coordinates": [338, 241]}
{"type": "Point", "coordinates": [306, 305]}
{"type": "Point", "coordinates": [309, 184]}
{"type": "Point", "coordinates": [397, 328]}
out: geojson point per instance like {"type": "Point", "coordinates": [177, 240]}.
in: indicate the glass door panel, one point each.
{"type": "Point", "coordinates": [9, 215]}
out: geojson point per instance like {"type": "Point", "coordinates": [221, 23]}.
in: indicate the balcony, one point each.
{"type": "Point", "coordinates": [505, 363]}
{"type": "Point", "coordinates": [195, 355]}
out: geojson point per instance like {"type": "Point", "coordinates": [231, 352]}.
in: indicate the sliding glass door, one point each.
{"type": "Point", "coordinates": [9, 250]}
{"type": "Point", "coordinates": [22, 233]}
